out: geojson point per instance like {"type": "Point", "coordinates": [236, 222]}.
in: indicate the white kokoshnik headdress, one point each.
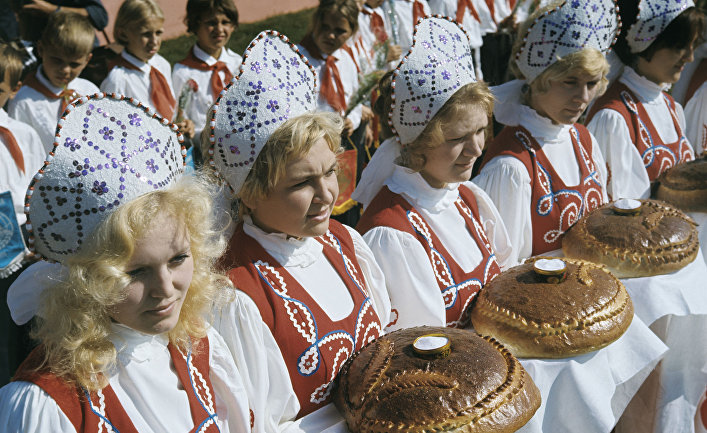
{"type": "Point", "coordinates": [570, 27]}
{"type": "Point", "coordinates": [436, 67]}
{"type": "Point", "coordinates": [275, 83]}
{"type": "Point", "coordinates": [653, 17]}
{"type": "Point", "coordinates": [107, 151]}
{"type": "Point", "coordinates": [438, 64]}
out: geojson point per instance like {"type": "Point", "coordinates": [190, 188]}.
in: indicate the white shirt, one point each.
{"type": "Point", "coordinates": [136, 84]}
{"type": "Point", "coordinates": [146, 385]}
{"type": "Point", "coordinates": [349, 79]}
{"type": "Point", "coordinates": [629, 177]}
{"type": "Point", "coordinates": [273, 399]}
{"type": "Point", "coordinates": [33, 153]}
{"type": "Point", "coordinates": [404, 23]}
{"type": "Point", "coordinates": [412, 286]}
{"type": "Point", "coordinates": [33, 108]}
{"type": "Point", "coordinates": [364, 29]}
{"type": "Point", "coordinates": [204, 97]}
{"type": "Point", "coordinates": [506, 180]}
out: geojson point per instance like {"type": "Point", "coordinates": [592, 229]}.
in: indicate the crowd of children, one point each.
{"type": "Point", "coordinates": [229, 298]}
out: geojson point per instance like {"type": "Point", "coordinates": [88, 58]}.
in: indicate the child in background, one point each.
{"type": "Point", "coordinates": [139, 72]}
{"type": "Point", "coordinates": [639, 127]}
{"type": "Point", "coordinates": [209, 63]}
{"type": "Point", "coordinates": [123, 337]}
{"type": "Point", "coordinates": [65, 49]}
{"type": "Point", "coordinates": [22, 153]}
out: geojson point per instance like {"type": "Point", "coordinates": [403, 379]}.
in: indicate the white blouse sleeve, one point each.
{"type": "Point", "coordinates": [231, 398]}
{"type": "Point", "coordinates": [26, 408]}
{"type": "Point", "coordinates": [696, 120]}
{"type": "Point", "coordinates": [259, 360]}
{"type": "Point", "coordinates": [414, 293]}
{"type": "Point", "coordinates": [506, 181]}
{"type": "Point", "coordinates": [627, 174]}
{"type": "Point", "coordinates": [600, 164]}
{"type": "Point", "coordinates": [374, 277]}
{"type": "Point", "coordinates": [494, 227]}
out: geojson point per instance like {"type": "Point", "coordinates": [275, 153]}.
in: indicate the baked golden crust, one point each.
{"type": "Point", "coordinates": [536, 319]}
{"type": "Point", "coordinates": [685, 186]}
{"type": "Point", "coordinates": [479, 387]}
{"type": "Point", "coordinates": [658, 240]}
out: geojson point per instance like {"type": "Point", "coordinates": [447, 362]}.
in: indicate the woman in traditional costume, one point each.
{"type": "Point", "coordinates": [544, 170]}
{"type": "Point", "coordinates": [437, 236]}
{"type": "Point", "coordinates": [640, 129]}
{"type": "Point", "coordinates": [310, 293]}
{"type": "Point", "coordinates": [124, 345]}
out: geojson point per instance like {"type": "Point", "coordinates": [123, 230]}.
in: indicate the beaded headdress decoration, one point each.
{"type": "Point", "coordinates": [438, 64]}
{"type": "Point", "coordinates": [107, 151]}
{"type": "Point", "coordinates": [275, 83]}
{"type": "Point", "coordinates": [653, 17]}
{"type": "Point", "coordinates": [570, 27]}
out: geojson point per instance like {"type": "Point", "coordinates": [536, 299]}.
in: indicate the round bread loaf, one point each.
{"type": "Point", "coordinates": [659, 239]}
{"type": "Point", "coordinates": [685, 186]}
{"type": "Point", "coordinates": [535, 318]}
{"type": "Point", "coordinates": [477, 386]}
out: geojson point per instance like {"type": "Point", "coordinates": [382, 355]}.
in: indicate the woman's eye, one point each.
{"type": "Point", "coordinates": [135, 272]}
{"type": "Point", "coordinates": [180, 258]}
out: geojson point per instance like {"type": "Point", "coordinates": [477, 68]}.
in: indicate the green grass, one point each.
{"type": "Point", "coordinates": [293, 25]}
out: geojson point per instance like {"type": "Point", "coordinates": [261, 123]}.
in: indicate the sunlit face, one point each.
{"type": "Point", "coordinates": [453, 159]}
{"type": "Point", "coordinates": [213, 33]}
{"type": "Point", "coordinates": [301, 202]}
{"type": "Point", "coordinates": [161, 270]}
{"type": "Point", "coordinates": [331, 32]}
{"type": "Point", "coordinates": [666, 65]}
{"type": "Point", "coordinates": [7, 91]}
{"type": "Point", "coordinates": [566, 99]}
{"type": "Point", "coordinates": [59, 68]}
{"type": "Point", "coordinates": [144, 41]}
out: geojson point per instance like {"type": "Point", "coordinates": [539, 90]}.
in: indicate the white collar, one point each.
{"type": "Point", "coordinates": [4, 116]}
{"type": "Point", "coordinates": [206, 57]}
{"type": "Point", "coordinates": [288, 251]}
{"type": "Point", "coordinates": [511, 112]}
{"type": "Point", "coordinates": [132, 345]}
{"type": "Point", "coordinates": [420, 194]}
{"type": "Point", "coordinates": [143, 66]}
{"type": "Point", "coordinates": [370, 10]}
{"type": "Point", "coordinates": [646, 90]}
{"type": "Point", "coordinates": [44, 80]}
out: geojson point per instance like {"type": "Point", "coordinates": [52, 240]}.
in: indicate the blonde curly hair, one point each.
{"type": "Point", "coordinates": [74, 320]}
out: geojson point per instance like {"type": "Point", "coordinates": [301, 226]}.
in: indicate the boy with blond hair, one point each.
{"type": "Point", "coordinates": [65, 49]}
{"type": "Point", "coordinates": [140, 72]}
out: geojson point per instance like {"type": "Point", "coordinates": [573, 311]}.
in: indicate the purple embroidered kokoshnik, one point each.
{"type": "Point", "coordinates": [108, 150]}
